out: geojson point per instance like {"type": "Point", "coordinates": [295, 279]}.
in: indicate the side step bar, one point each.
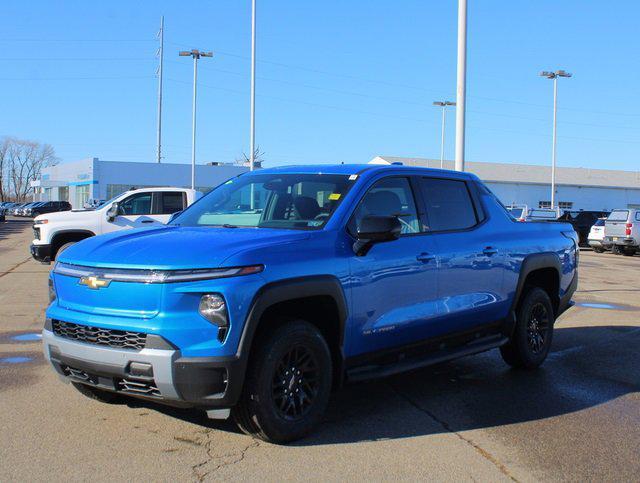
{"type": "Point", "coordinates": [402, 365]}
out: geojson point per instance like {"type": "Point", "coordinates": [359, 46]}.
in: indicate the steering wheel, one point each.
{"type": "Point", "coordinates": [409, 227]}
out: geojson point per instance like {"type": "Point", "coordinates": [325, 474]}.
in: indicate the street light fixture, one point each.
{"type": "Point", "coordinates": [444, 105]}
{"type": "Point", "coordinates": [554, 76]}
{"type": "Point", "coordinates": [196, 54]}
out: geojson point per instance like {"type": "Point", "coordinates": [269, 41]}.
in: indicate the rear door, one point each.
{"type": "Point", "coordinates": [471, 255]}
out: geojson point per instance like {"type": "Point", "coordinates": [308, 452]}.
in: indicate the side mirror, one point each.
{"type": "Point", "coordinates": [375, 229]}
{"type": "Point", "coordinates": [174, 216]}
{"type": "Point", "coordinates": [112, 212]}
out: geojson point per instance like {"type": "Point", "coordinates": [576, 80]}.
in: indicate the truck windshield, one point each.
{"type": "Point", "coordinates": [290, 201]}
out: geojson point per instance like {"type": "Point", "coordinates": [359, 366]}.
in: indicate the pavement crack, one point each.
{"type": "Point", "coordinates": [481, 451]}
{"type": "Point", "coordinates": [2, 274]}
{"type": "Point", "coordinates": [215, 462]}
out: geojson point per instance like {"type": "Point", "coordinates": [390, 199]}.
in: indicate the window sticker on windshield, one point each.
{"type": "Point", "coordinates": [334, 196]}
{"type": "Point", "coordinates": [315, 223]}
{"type": "Point", "coordinates": [353, 177]}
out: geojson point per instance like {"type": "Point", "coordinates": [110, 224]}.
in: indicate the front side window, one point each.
{"type": "Point", "coordinates": [289, 201]}
{"type": "Point", "coordinates": [448, 204]}
{"type": "Point", "coordinates": [139, 204]}
{"type": "Point", "coordinates": [389, 197]}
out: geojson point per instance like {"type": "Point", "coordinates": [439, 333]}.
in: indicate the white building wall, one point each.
{"type": "Point", "coordinates": [582, 197]}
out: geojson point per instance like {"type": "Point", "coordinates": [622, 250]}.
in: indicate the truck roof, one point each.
{"type": "Point", "coordinates": [349, 169]}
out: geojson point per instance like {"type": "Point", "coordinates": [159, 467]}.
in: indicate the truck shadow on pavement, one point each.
{"type": "Point", "coordinates": [588, 366]}
{"type": "Point", "coordinates": [11, 227]}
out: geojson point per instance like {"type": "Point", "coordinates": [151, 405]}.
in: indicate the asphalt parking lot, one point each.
{"type": "Point", "coordinates": [576, 419]}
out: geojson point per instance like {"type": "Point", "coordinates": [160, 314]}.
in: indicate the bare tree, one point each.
{"type": "Point", "coordinates": [22, 162]}
{"type": "Point", "coordinates": [258, 158]}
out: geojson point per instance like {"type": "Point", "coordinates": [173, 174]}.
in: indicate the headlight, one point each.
{"type": "Point", "coordinates": [52, 290]}
{"type": "Point", "coordinates": [213, 308]}
{"type": "Point", "coordinates": [40, 222]}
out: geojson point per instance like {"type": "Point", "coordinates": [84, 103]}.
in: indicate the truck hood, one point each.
{"type": "Point", "coordinates": [173, 247]}
{"type": "Point", "coordinates": [57, 216]}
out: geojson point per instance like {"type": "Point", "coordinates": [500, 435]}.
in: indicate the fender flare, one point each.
{"type": "Point", "coordinates": [535, 261]}
{"type": "Point", "coordinates": [291, 289]}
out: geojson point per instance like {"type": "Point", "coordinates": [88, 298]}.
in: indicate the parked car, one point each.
{"type": "Point", "coordinates": [48, 207]}
{"type": "Point", "coordinates": [146, 207]}
{"type": "Point", "coordinates": [93, 204]}
{"type": "Point", "coordinates": [16, 208]}
{"type": "Point", "coordinates": [596, 237]}
{"type": "Point", "coordinates": [283, 283]}
{"type": "Point", "coordinates": [582, 222]}
{"type": "Point", "coordinates": [622, 231]}
{"type": "Point", "coordinates": [22, 211]}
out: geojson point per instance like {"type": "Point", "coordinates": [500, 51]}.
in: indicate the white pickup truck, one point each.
{"type": "Point", "coordinates": [136, 208]}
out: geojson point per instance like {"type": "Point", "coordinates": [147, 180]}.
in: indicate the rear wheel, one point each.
{"type": "Point", "coordinates": [288, 384]}
{"type": "Point", "coordinates": [533, 332]}
{"type": "Point", "coordinates": [628, 252]}
{"type": "Point", "coordinates": [598, 250]}
{"type": "Point", "coordinates": [97, 394]}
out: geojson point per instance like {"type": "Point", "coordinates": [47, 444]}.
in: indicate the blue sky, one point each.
{"type": "Point", "coordinates": [338, 81]}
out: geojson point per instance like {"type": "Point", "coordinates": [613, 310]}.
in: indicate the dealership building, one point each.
{"type": "Point", "coordinates": [524, 184]}
{"type": "Point", "coordinates": [93, 178]}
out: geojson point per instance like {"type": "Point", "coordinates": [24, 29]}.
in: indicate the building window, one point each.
{"type": "Point", "coordinates": [565, 205]}
{"type": "Point", "coordinates": [544, 204]}
{"type": "Point", "coordinates": [63, 193]}
{"type": "Point", "coordinates": [82, 195]}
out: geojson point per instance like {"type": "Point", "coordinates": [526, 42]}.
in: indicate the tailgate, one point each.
{"type": "Point", "coordinates": [615, 228]}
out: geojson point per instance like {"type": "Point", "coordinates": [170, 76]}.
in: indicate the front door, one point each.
{"type": "Point", "coordinates": [394, 286]}
{"type": "Point", "coordinates": [134, 212]}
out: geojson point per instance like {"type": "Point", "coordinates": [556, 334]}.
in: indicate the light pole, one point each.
{"type": "Point", "coordinates": [252, 137]}
{"type": "Point", "coordinates": [196, 54]}
{"type": "Point", "coordinates": [161, 56]}
{"type": "Point", "coordinates": [554, 76]}
{"type": "Point", "coordinates": [461, 86]}
{"type": "Point", "coordinates": [444, 105]}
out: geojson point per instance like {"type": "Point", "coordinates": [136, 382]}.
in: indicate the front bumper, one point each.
{"type": "Point", "coordinates": [41, 253]}
{"type": "Point", "coordinates": [162, 375]}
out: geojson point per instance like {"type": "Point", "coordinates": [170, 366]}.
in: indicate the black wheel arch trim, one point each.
{"type": "Point", "coordinates": [283, 291]}
{"type": "Point", "coordinates": [535, 261]}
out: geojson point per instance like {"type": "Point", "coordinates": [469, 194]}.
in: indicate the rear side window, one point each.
{"type": "Point", "coordinates": [389, 197]}
{"type": "Point", "coordinates": [619, 215]}
{"type": "Point", "coordinates": [170, 202]}
{"type": "Point", "coordinates": [448, 204]}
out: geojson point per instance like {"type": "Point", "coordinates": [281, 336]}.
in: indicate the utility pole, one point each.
{"type": "Point", "coordinates": [196, 54]}
{"type": "Point", "coordinates": [444, 105]}
{"type": "Point", "coordinates": [554, 76]}
{"type": "Point", "coordinates": [252, 137]}
{"type": "Point", "coordinates": [161, 55]}
{"type": "Point", "coordinates": [461, 88]}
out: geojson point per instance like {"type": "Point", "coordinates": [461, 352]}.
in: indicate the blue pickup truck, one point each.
{"type": "Point", "coordinates": [283, 284]}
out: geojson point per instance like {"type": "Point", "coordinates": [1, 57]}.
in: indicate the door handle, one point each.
{"type": "Point", "coordinates": [147, 221]}
{"type": "Point", "coordinates": [489, 251]}
{"type": "Point", "coordinates": [425, 257]}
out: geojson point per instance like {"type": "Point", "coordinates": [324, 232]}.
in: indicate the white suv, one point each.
{"type": "Point", "coordinates": [622, 230]}
{"type": "Point", "coordinates": [136, 208]}
{"type": "Point", "coordinates": [596, 237]}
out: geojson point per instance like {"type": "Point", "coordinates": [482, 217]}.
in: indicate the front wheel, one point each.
{"type": "Point", "coordinates": [532, 335]}
{"type": "Point", "coordinates": [598, 250]}
{"type": "Point", "coordinates": [288, 384]}
{"type": "Point", "coordinates": [628, 252]}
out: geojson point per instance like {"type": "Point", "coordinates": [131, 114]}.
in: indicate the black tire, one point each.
{"type": "Point", "coordinates": [97, 394]}
{"type": "Point", "coordinates": [615, 249]}
{"type": "Point", "coordinates": [281, 411]}
{"type": "Point", "coordinates": [598, 250]}
{"type": "Point", "coordinates": [628, 252]}
{"type": "Point", "coordinates": [533, 332]}
{"type": "Point", "coordinates": [63, 248]}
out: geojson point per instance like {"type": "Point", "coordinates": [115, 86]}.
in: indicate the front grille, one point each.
{"type": "Point", "coordinates": [120, 339]}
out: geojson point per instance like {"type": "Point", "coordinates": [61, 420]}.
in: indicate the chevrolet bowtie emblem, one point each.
{"type": "Point", "coordinates": [94, 282]}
